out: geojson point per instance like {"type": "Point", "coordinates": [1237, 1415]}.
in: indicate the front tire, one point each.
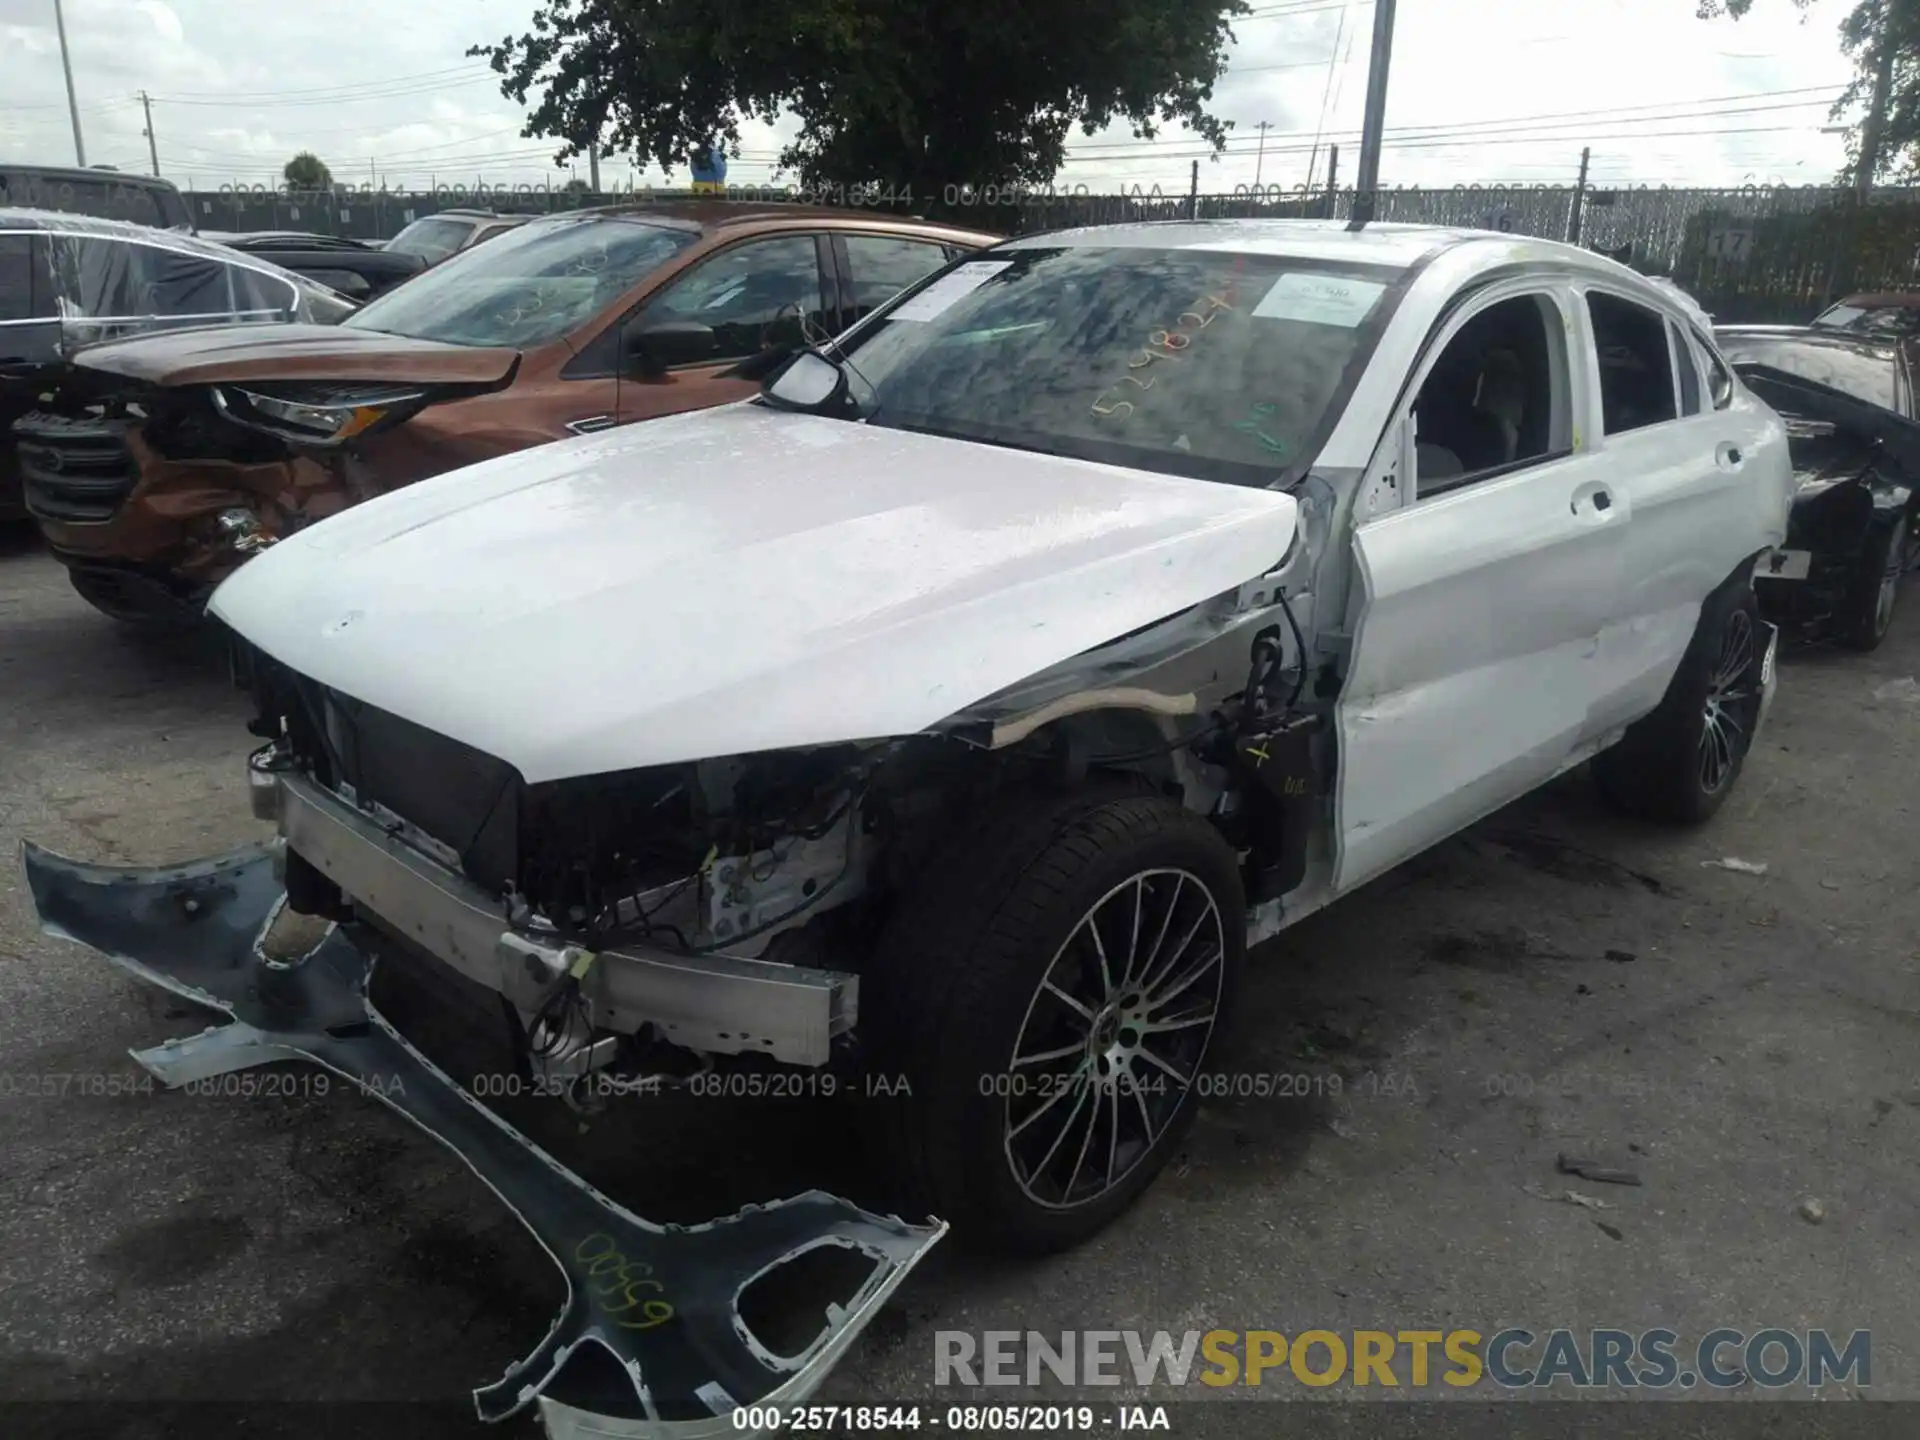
{"type": "Point", "coordinates": [1049, 991]}
{"type": "Point", "coordinates": [1869, 612]}
{"type": "Point", "coordinates": [1679, 764]}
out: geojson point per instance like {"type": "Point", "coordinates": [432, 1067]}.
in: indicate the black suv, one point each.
{"type": "Point", "coordinates": [103, 194]}
{"type": "Point", "coordinates": [357, 269]}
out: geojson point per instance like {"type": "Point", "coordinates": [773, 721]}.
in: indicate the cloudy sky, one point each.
{"type": "Point", "coordinates": [1483, 91]}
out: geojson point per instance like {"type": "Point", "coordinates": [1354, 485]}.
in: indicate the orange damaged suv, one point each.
{"type": "Point", "coordinates": [158, 465]}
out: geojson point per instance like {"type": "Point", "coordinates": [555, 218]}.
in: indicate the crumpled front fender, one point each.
{"type": "Point", "coordinates": [663, 1300]}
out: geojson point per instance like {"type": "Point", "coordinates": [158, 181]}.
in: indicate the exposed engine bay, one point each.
{"type": "Point", "coordinates": [787, 856]}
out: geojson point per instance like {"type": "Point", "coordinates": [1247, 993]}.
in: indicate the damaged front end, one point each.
{"type": "Point", "coordinates": [663, 1301]}
{"type": "Point", "coordinates": [152, 483]}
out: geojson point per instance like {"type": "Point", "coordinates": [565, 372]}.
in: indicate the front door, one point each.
{"type": "Point", "coordinates": [760, 298]}
{"type": "Point", "coordinates": [1482, 601]}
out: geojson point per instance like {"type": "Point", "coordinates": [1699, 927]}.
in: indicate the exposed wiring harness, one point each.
{"type": "Point", "coordinates": [560, 1009]}
{"type": "Point", "coordinates": [1268, 660]}
{"type": "Point", "coordinates": [851, 810]}
{"type": "Point", "coordinates": [1269, 656]}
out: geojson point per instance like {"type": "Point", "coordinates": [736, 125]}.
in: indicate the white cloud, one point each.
{"type": "Point", "coordinates": [236, 90]}
{"type": "Point", "coordinates": [165, 21]}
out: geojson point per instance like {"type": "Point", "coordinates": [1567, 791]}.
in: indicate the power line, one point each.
{"type": "Point", "coordinates": [1618, 114]}
{"type": "Point", "coordinates": [432, 87]}
{"type": "Point", "coordinates": [345, 87]}
{"type": "Point", "coordinates": [1285, 12]}
{"type": "Point", "coordinates": [1440, 143]}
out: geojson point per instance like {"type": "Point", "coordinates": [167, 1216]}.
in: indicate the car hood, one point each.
{"type": "Point", "coordinates": [296, 352]}
{"type": "Point", "coordinates": [1829, 431]}
{"type": "Point", "coordinates": [737, 580]}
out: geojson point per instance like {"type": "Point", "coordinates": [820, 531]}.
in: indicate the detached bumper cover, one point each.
{"type": "Point", "coordinates": [662, 1300]}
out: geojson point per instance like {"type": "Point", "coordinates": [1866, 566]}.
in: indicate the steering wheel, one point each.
{"type": "Point", "coordinates": [795, 312]}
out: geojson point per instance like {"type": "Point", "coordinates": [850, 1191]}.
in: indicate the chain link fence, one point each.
{"type": "Point", "coordinates": [1750, 254]}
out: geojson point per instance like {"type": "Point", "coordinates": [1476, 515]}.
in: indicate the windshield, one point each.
{"type": "Point", "coordinates": [432, 239]}
{"type": "Point", "coordinates": [528, 285]}
{"type": "Point", "coordinates": [1871, 319]}
{"type": "Point", "coordinates": [1839, 317]}
{"type": "Point", "coordinates": [1221, 366]}
{"type": "Point", "coordinates": [1866, 373]}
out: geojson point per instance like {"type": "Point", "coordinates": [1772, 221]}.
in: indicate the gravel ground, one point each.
{"type": "Point", "coordinates": [1554, 980]}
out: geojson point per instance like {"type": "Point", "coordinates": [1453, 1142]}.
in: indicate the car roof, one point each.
{"type": "Point", "coordinates": [291, 238]}
{"type": "Point", "coordinates": [72, 172]}
{"type": "Point", "coordinates": [1885, 300]}
{"type": "Point", "coordinates": [1391, 244]}
{"type": "Point", "coordinates": [60, 222]}
{"type": "Point", "coordinates": [22, 217]}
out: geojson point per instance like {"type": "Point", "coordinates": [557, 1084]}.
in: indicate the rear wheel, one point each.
{"type": "Point", "coordinates": [1049, 992]}
{"type": "Point", "coordinates": [1869, 612]}
{"type": "Point", "coordinates": [1680, 762]}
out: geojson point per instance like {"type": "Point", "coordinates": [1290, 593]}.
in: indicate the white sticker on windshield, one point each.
{"type": "Point", "coordinates": [1319, 299]}
{"type": "Point", "coordinates": [949, 290]}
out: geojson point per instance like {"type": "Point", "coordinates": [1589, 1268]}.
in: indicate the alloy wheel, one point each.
{"type": "Point", "coordinates": [1113, 1037]}
{"type": "Point", "coordinates": [1732, 699]}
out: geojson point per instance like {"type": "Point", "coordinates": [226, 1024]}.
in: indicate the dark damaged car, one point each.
{"type": "Point", "coordinates": [68, 281]}
{"type": "Point", "coordinates": [1849, 404]}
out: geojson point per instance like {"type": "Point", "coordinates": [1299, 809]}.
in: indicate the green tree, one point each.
{"type": "Point", "coordinates": [1882, 38]}
{"type": "Point", "coordinates": [887, 92]}
{"type": "Point", "coordinates": [305, 172]}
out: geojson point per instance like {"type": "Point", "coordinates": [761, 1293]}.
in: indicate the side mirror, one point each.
{"type": "Point", "coordinates": [651, 350]}
{"type": "Point", "coordinates": [809, 382]}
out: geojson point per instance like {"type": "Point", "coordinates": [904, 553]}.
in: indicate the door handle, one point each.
{"type": "Point", "coordinates": [1593, 500]}
{"type": "Point", "coordinates": [1728, 456]}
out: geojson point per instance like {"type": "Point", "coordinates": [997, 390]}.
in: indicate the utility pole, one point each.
{"type": "Point", "coordinates": [1333, 178]}
{"type": "Point", "coordinates": [1579, 198]}
{"type": "Point", "coordinates": [1874, 129]}
{"type": "Point", "coordinates": [153, 145]}
{"type": "Point", "coordinates": [1193, 193]}
{"type": "Point", "coordinates": [1260, 155]}
{"type": "Point", "coordinates": [593, 168]}
{"type": "Point", "coordinates": [1368, 180]}
{"type": "Point", "coordinates": [73, 105]}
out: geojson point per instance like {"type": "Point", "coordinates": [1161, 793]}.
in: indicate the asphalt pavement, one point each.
{"type": "Point", "coordinates": [1556, 981]}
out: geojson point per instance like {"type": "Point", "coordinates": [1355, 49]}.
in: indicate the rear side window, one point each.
{"type": "Point", "coordinates": [1636, 373]}
{"type": "Point", "coordinates": [16, 280]}
{"type": "Point", "coordinates": [123, 286]}
{"type": "Point", "coordinates": [1687, 371]}
{"type": "Point", "coordinates": [883, 265]}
